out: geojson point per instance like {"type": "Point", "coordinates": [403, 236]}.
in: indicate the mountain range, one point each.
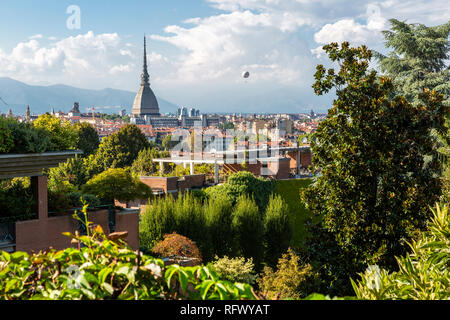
{"type": "Point", "coordinates": [16, 95]}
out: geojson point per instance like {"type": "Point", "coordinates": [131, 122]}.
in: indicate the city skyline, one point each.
{"type": "Point", "coordinates": [106, 51]}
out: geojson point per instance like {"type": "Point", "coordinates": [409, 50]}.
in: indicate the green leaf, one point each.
{"type": "Point", "coordinates": [107, 287]}
{"type": "Point", "coordinates": [205, 286]}
{"type": "Point", "coordinates": [182, 276]}
{"type": "Point", "coordinates": [103, 274]}
{"type": "Point", "coordinates": [6, 256]}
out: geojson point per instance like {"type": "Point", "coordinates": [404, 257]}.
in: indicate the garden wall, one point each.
{"type": "Point", "coordinates": [36, 235]}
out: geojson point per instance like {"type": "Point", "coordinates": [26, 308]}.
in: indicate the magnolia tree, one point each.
{"type": "Point", "coordinates": [376, 183]}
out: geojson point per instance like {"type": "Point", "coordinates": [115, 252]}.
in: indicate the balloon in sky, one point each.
{"type": "Point", "coordinates": [246, 74]}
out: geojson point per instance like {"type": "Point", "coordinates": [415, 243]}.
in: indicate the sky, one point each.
{"type": "Point", "coordinates": [197, 49]}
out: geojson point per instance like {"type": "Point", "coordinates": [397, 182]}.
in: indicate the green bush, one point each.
{"type": "Point", "coordinates": [277, 230]}
{"type": "Point", "coordinates": [103, 269]}
{"type": "Point", "coordinates": [77, 199]}
{"type": "Point", "coordinates": [289, 191]}
{"type": "Point", "coordinates": [24, 138]}
{"type": "Point", "coordinates": [189, 219]}
{"type": "Point", "coordinates": [218, 218]}
{"type": "Point", "coordinates": [157, 220]}
{"type": "Point", "coordinates": [291, 280]}
{"type": "Point", "coordinates": [116, 184]}
{"type": "Point", "coordinates": [236, 269]}
{"type": "Point", "coordinates": [248, 231]}
{"type": "Point", "coordinates": [16, 199]}
{"type": "Point", "coordinates": [245, 183]}
{"type": "Point", "coordinates": [423, 273]}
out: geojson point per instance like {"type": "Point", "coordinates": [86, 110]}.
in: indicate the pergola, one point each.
{"type": "Point", "coordinates": [32, 165]}
{"type": "Point", "coordinates": [219, 158]}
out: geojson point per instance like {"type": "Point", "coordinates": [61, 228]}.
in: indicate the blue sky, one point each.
{"type": "Point", "coordinates": [198, 49]}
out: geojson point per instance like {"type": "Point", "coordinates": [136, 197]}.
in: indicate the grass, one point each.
{"type": "Point", "coordinates": [289, 191]}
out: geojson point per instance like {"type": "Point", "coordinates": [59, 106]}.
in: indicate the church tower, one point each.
{"type": "Point", "coordinates": [145, 103]}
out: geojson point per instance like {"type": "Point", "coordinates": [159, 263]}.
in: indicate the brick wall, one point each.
{"type": "Point", "coordinates": [36, 235]}
{"type": "Point", "coordinates": [306, 158]}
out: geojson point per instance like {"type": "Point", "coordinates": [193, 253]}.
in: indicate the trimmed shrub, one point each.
{"type": "Point", "coordinates": [245, 183]}
{"type": "Point", "coordinates": [218, 219]}
{"type": "Point", "coordinates": [277, 230]}
{"type": "Point", "coordinates": [157, 220]}
{"type": "Point", "coordinates": [248, 231]}
{"type": "Point", "coordinates": [189, 218]}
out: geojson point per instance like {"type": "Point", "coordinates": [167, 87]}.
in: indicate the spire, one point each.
{"type": "Point", "coordinates": [145, 76]}
{"type": "Point", "coordinates": [28, 114]}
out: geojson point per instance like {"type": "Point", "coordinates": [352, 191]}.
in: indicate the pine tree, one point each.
{"type": "Point", "coordinates": [418, 59]}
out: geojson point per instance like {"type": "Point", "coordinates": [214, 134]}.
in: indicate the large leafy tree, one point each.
{"type": "Point", "coordinates": [375, 186]}
{"type": "Point", "coordinates": [62, 133]}
{"type": "Point", "coordinates": [120, 149]}
{"type": "Point", "coordinates": [87, 138]}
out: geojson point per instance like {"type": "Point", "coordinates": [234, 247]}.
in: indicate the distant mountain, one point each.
{"type": "Point", "coordinates": [61, 97]}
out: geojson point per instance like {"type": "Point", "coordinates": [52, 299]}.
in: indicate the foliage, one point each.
{"type": "Point", "coordinates": [236, 269]}
{"type": "Point", "coordinates": [73, 172]}
{"type": "Point", "coordinates": [77, 199]}
{"type": "Point", "coordinates": [245, 183]}
{"type": "Point", "coordinates": [175, 245]}
{"type": "Point", "coordinates": [418, 59]}
{"type": "Point", "coordinates": [289, 191]}
{"type": "Point", "coordinates": [143, 164]}
{"type": "Point", "coordinates": [277, 230]}
{"type": "Point", "coordinates": [248, 230]}
{"type": "Point", "coordinates": [218, 220]}
{"type": "Point", "coordinates": [6, 141]}
{"type": "Point", "coordinates": [375, 186]}
{"type": "Point", "coordinates": [23, 137]}
{"type": "Point", "coordinates": [103, 269]}
{"type": "Point", "coordinates": [58, 201]}
{"type": "Point", "coordinates": [116, 184]}
{"type": "Point", "coordinates": [190, 220]}
{"type": "Point", "coordinates": [423, 274]}
{"type": "Point", "coordinates": [167, 143]}
{"type": "Point", "coordinates": [16, 199]}
{"type": "Point", "coordinates": [184, 215]}
{"type": "Point", "coordinates": [157, 220]}
{"type": "Point", "coordinates": [63, 135]}
{"type": "Point", "coordinates": [87, 138]}
{"type": "Point", "coordinates": [289, 281]}
{"type": "Point", "coordinates": [120, 149]}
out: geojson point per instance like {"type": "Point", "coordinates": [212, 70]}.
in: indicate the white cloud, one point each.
{"type": "Point", "coordinates": [36, 36]}
{"type": "Point", "coordinates": [86, 60]}
{"type": "Point", "coordinates": [376, 16]}
{"type": "Point", "coordinates": [277, 41]}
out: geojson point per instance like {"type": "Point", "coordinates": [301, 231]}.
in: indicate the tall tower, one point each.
{"type": "Point", "coordinates": [145, 103]}
{"type": "Point", "coordinates": [28, 114]}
